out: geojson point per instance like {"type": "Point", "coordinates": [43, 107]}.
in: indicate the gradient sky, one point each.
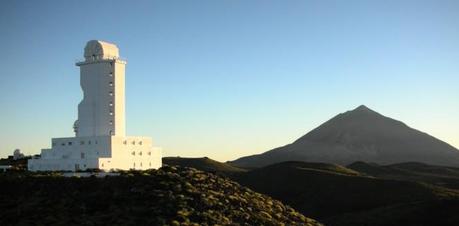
{"type": "Point", "coordinates": [225, 79]}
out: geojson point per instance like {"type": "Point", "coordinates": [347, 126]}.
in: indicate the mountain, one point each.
{"type": "Point", "coordinates": [337, 195]}
{"type": "Point", "coordinates": [204, 164]}
{"type": "Point", "coordinates": [360, 135]}
{"type": "Point", "coordinates": [168, 196]}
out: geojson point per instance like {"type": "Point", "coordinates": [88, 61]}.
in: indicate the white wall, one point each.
{"type": "Point", "coordinates": [102, 110]}
{"type": "Point", "coordinates": [102, 152]}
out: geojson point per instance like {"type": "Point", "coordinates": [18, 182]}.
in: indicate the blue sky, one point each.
{"type": "Point", "coordinates": [225, 79]}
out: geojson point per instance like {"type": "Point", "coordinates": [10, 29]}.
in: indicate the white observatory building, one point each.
{"type": "Point", "coordinates": [100, 140]}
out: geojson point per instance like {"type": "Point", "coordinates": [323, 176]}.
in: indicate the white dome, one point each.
{"type": "Point", "coordinates": [100, 49]}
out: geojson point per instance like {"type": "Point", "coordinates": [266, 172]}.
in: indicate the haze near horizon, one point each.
{"type": "Point", "coordinates": [232, 78]}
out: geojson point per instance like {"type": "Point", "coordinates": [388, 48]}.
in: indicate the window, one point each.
{"type": "Point", "coordinates": [124, 142]}
{"type": "Point", "coordinates": [140, 164]}
{"type": "Point", "coordinates": [110, 93]}
{"type": "Point", "coordinates": [89, 142]}
{"type": "Point", "coordinates": [110, 104]}
{"type": "Point", "coordinates": [133, 153]}
{"type": "Point", "coordinates": [81, 142]}
{"type": "Point", "coordinates": [63, 144]}
{"type": "Point", "coordinates": [111, 74]}
{"type": "Point", "coordinates": [149, 153]}
{"type": "Point", "coordinates": [140, 153]}
{"type": "Point", "coordinates": [140, 142]}
{"type": "Point", "coordinates": [111, 113]}
{"type": "Point", "coordinates": [82, 155]}
{"type": "Point", "coordinates": [110, 83]}
{"type": "Point", "coordinates": [133, 142]}
{"type": "Point", "coordinates": [149, 164]}
{"type": "Point", "coordinates": [102, 165]}
{"type": "Point", "coordinates": [111, 122]}
{"type": "Point", "coordinates": [70, 143]}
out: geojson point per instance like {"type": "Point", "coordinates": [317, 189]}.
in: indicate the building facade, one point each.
{"type": "Point", "coordinates": [100, 140]}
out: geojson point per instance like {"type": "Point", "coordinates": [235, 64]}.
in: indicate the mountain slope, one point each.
{"type": "Point", "coordinates": [204, 164]}
{"type": "Point", "coordinates": [423, 213]}
{"type": "Point", "coordinates": [360, 135]}
{"type": "Point", "coordinates": [411, 171]}
{"type": "Point", "coordinates": [327, 195]}
{"type": "Point", "coordinates": [168, 196]}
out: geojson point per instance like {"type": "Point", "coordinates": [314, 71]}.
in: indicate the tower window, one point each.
{"type": "Point", "coordinates": [111, 122]}
{"type": "Point", "coordinates": [110, 104]}
{"type": "Point", "coordinates": [111, 113]}
{"type": "Point", "coordinates": [70, 143]}
{"type": "Point", "coordinates": [110, 93]}
{"type": "Point", "coordinates": [140, 153]}
{"type": "Point", "coordinates": [133, 153]}
{"type": "Point", "coordinates": [110, 83]}
{"type": "Point", "coordinates": [111, 74]}
{"type": "Point", "coordinates": [140, 142]}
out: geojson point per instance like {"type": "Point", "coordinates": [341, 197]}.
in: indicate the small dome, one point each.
{"type": "Point", "coordinates": [100, 49]}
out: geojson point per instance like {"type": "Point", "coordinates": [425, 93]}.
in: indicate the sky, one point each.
{"type": "Point", "coordinates": [226, 79]}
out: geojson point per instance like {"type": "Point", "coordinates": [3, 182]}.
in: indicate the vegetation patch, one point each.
{"type": "Point", "coordinates": [168, 196]}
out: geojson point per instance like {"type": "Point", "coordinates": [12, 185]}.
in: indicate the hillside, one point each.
{"type": "Point", "coordinates": [168, 196]}
{"type": "Point", "coordinates": [329, 195]}
{"type": "Point", "coordinates": [360, 135]}
{"type": "Point", "coordinates": [411, 171]}
{"type": "Point", "coordinates": [316, 166]}
{"type": "Point", "coordinates": [423, 213]}
{"type": "Point", "coordinates": [204, 164]}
